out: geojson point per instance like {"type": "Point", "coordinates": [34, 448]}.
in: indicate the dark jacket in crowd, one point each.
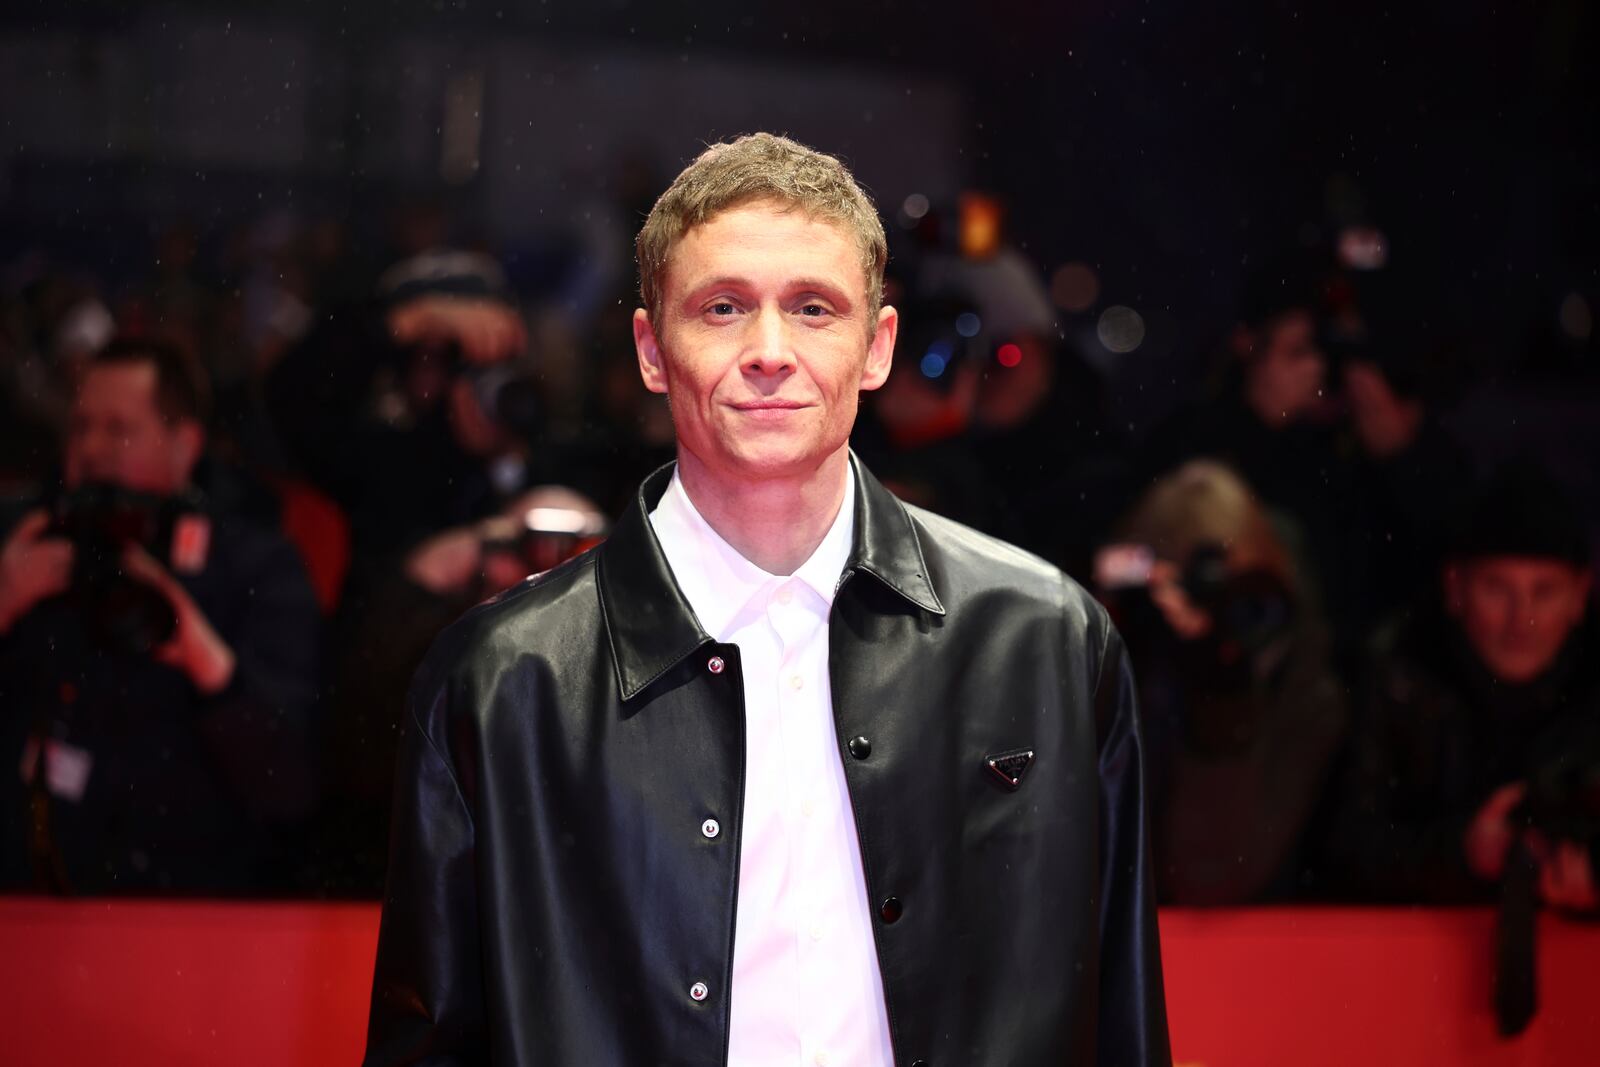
{"type": "Point", "coordinates": [551, 898]}
{"type": "Point", "coordinates": [1437, 735]}
{"type": "Point", "coordinates": [1241, 754]}
{"type": "Point", "coordinates": [184, 792]}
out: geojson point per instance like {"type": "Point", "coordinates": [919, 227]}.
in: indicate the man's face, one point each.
{"type": "Point", "coordinates": [1287, 370]}
{"type": "Point", "coordinates": [763, 342]}
{"type": "Point", "coordinates": [118, 435]}
{"type": "Point", "coordinates": [1517, 612]}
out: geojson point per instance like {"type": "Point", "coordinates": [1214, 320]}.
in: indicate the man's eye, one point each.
{"type": "Point", "coordinates": [722, 308]}
{"type": "Point", "coordinates": [815, 311]}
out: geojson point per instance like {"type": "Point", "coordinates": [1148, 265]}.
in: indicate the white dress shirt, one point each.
{"type": "Point", "coordinates": [806, 987]}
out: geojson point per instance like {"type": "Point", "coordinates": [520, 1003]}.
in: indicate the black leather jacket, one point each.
{"type": "Point", "coordinates": [552, 900]}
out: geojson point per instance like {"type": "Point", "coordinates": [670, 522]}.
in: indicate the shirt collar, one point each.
{"type": "Point", "coordinates": [648, 621]}
{"type": "Point", "coordinates": [718, 582]}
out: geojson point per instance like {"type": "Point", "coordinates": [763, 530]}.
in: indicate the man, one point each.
{"type": "Point", "coordinates": [155, 690]}
{"type": "Point", "coordinates": [412, 409]}
{"type": "Point", "coordinates": [785, 771]}
{"type": "Point", "coordinates": [1484, 718]}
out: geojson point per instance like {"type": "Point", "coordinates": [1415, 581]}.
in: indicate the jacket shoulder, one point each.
{"type": "Point", "coordinates": [541, 613]}
{"type": "Point", "coordinates": [968, 566]}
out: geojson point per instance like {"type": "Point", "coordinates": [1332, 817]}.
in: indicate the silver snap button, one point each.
{"type": "Point", "coordinates": [699, 991]}
{"type": "Point", "coordinates": [711, 828]}
{"type": "Point", "coordinates": [715, 665]}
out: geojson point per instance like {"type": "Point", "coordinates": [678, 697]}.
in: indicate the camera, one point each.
{"type": "Point", "coordinates": [1248, 609]}
{"type": "Point", "coordinates": [543, 537]}
{"type": "Point", "coordinates": [121, 612]}
{"type": "Point", "coordinates": [507, 395]}
{"type": "Point", "coordinates": [1562, 804]}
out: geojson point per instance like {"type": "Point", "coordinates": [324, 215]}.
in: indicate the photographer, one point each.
{"type": "Point", "coordinates": [385, 638]}
{"type": "Point", "coordinates": [413, 410]}
{"type": "Point", "coordinates": [157, 661]}
{"type": "Point", "coordinates": [1472, 743]}
{"type": "Point", "coordinates": [1243, 715]}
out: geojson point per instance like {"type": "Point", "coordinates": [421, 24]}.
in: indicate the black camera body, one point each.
{"type": "Point", "coordinates": [100, 519]}
{"type": "Point", "coordinates": [1250, 610]}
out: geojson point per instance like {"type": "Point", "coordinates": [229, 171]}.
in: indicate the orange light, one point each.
{"type": "Point", "coordinates": [980, 216]}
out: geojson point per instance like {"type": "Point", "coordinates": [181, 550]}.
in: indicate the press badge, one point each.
{"type": "Point", "coordinates": [66, 767]}
{"type": "Point", "coordinates": [191, 544]}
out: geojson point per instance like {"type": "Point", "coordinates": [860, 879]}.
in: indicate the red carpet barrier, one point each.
{"type": "Point", "coordinates": [159, 984]}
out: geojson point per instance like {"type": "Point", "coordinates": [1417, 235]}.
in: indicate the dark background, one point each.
{"type": "Point", "coordinates": [1167, 145]}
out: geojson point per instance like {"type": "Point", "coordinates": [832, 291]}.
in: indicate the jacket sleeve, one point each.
{"type": "Point", "coordinates": [261, 728]}
{"type": "Point", "coordinates": [1388, 842]}
{"type": "Point", "coordinates": [427, 988]}
{"type": "Point", "coordinates": [1244, 787]}
{"type": "Point", "coordinates": [1132, 1024]}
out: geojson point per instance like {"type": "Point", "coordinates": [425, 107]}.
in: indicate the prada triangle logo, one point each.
{"type": "Point", "coordinates": [1010, 767]}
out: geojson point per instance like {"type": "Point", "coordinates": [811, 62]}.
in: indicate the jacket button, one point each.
{"type": "Point", "coordinates": [919, 1063]}
{"type": "Point", "coordinates": [715, 665]}
{"type": "Point", "coordinates": [699, 991]}
{"type": "Point", "coordinates": [891, 909]}
{"type": "Point", "coordinates": [711, 828]}
{"type": "Point", "coordinates": [860, 747]}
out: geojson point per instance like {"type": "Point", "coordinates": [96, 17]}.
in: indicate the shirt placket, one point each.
{"type": "Point", "coordinates": [797, 623]}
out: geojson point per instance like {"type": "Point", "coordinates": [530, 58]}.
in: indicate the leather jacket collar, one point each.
{"type": "Point", "coordinates": [648, 620]}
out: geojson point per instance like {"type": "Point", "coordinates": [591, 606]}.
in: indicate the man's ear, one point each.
{"type": "Point", "coordinates": [880, 350]}
{"type": "Point", "coordinates": [188, 442]}
{"type": "Point", "coordinates": [1581, 594]}
{"type": "Point", "coordinates": [651, 366]}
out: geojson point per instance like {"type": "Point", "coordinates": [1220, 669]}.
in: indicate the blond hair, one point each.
{"type": "Point", "coordinates": [1205, 502]}
{"type": "Point", "coordinates": [760, 166]}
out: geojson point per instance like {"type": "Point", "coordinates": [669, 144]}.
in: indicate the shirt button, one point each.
{"type": "Point", "coordinates": [820, 1059]}
{"type": "Point", "coordinates": [711, 828]}
{"type": "Point", "coordinates": [715, 665]}
{"type": "Point", "coordinates": [816, 931]}
{"type": "Point", "coordinates": [796, 682]}
{"type": "Point", "coordinates": [808, 807]}
{"type": "Point", "coordinates": [699, 991]}
{"type": "Point", "coordinates": [860, 747]}
{"type": "Point", "coordinates": [785, 595]}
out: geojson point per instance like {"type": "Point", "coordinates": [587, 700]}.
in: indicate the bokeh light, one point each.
{"type": "Point", "coordinates": [968, 324]}
{"type": "Point", "coordinates": [1009, 354]}
{"type": "Point", "coordinates": [1576, 317]}
{"type": "Point", "coordinates": [914, 206]}
{"type": "Point", "coordinates": [1121, 329]}
{"type": "Point", "coordinates": [1075, 287]}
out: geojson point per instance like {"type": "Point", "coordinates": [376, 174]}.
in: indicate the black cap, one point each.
{"type": "Point", "coordinates": [1522, 511]}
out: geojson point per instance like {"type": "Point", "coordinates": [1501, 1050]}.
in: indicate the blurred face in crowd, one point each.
{"type": "Point", "coordinates": [1286, 371]}
{"type": "Point", "coordinates": [1517, 611]}
{"type": "Point", "coordinates": [763, 341]}
{"type": "Point", "coordinates": [118, 434]}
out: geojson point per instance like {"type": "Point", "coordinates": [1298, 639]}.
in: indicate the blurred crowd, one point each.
{"type": "Point", "coordinates": [245, 487]}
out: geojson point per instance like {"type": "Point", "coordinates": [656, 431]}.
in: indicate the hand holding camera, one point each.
{"type": "Point", "coordinates": [485, 331]}
{"type": "Point", "coordinates": [34, 566]}
{"type": "Point", "coordinates": [195, 647]}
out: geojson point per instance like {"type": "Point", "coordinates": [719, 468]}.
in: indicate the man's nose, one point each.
{"type": "Point", "coordinates": [770, 351]}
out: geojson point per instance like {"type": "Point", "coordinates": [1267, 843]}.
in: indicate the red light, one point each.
{"type": "Point", "coordinates": [1009, 355]}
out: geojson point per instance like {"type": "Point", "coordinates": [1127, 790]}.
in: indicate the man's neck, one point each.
{"type": "Point", "coordinates": [777, 523]}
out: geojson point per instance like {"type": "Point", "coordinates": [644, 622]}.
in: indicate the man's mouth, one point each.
{"type": "Point", "coordinates": [770, 405]}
